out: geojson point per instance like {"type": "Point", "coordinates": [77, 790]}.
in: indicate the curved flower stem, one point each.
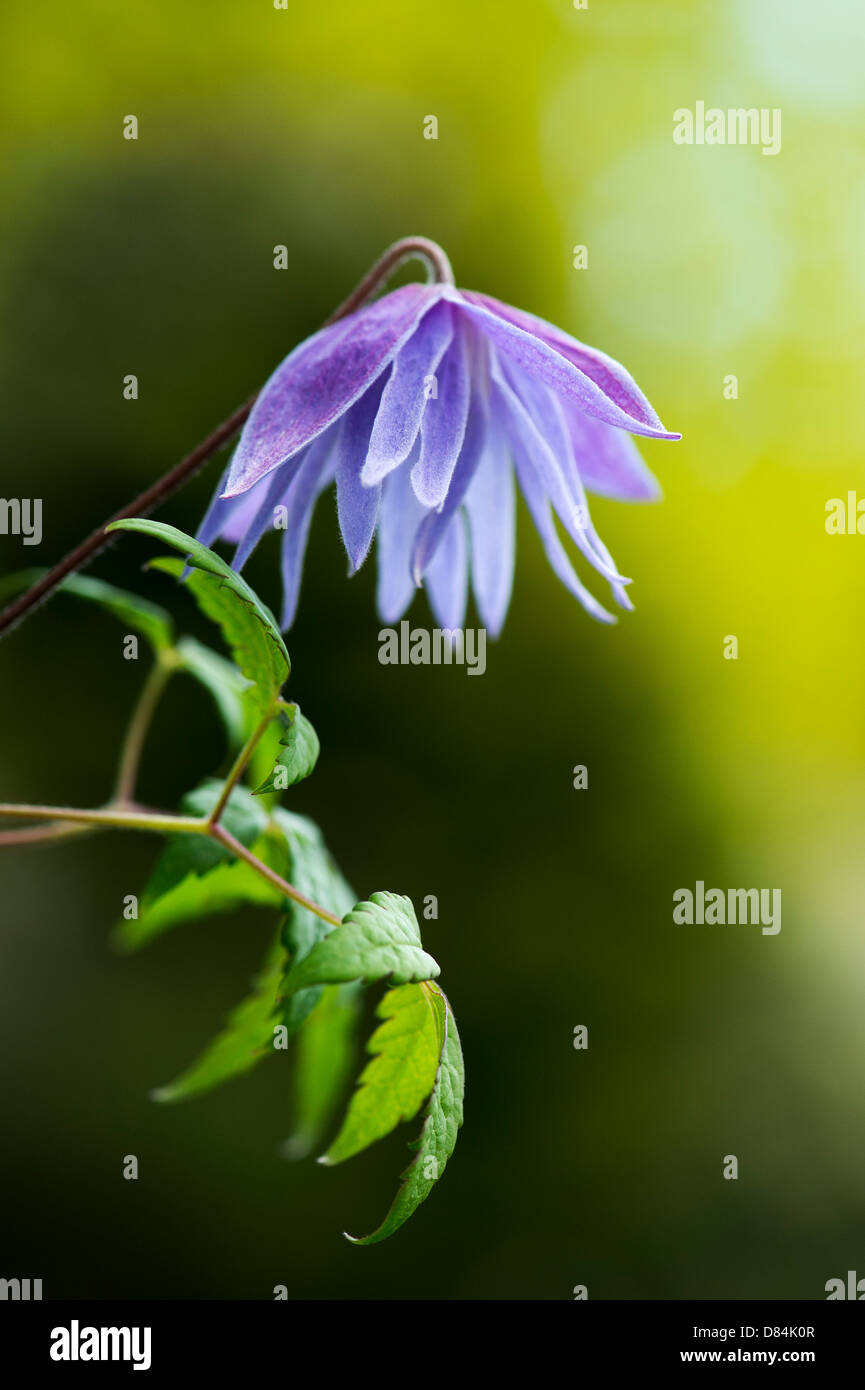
{"type": "Point", "coordinates": [140, 818]}
{"type": "Point", "coordinates": [139, 724]}
{"type": "Point", "coordinates": [410, 248]}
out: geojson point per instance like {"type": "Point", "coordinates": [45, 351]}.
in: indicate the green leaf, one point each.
{"type": "Point", "coordinates": [323, 1064]}
{"type": "Point", "coordinates": [195, 875]}
{"type": "Point", "coordinates": [224, 683]}
{"type": "Point", "coordinates": [293, 846]}
{"type": "Point", "coordinates": [299, 755]}
{"type": "Point", "coordinates": [378, 939]}
{"type": "Point", "coordinates": [137, 614]}
{"type": "Point", "coordinates": [224, 888]}
{"type": "Point", "coordinates": [248, 627]}
{"type": "Point", "coordinates": [406, 1052]}
{"type": "Point", "coordinates": [315, 874]}
{"type": "Point", "coordinates": [437, 1140]}
{"type": "Point", "coordinates": [186, 854]}
{"type": "Point", "coordinates": [247, 1037]}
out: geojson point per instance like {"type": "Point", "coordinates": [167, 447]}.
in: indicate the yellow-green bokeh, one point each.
{"type": "Point", "coordinates": [261, 126]}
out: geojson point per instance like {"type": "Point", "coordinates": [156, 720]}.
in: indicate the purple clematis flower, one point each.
{"type": "Point", "coordinates": [422, 407]}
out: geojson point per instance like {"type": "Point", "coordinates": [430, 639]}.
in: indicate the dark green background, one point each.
{"type": "Point", "coordinates": [304, 127]}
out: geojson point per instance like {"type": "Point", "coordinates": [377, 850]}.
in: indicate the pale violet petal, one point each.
{"type": "Point", "coordinates": [435, 523]}
{"type": "Point", "coordinates": [412, 377]}
{"type": "Point", "coordinates": [274, 491]}
{"type": "Point", "coordinates": [631, 409]}
{"type": "Point", "coordinates": [400, 516]}
{"type": "Point", "coordinates": [548, 416]}
{"type": "Point", "coordinates": [520, 427]}
{"type": "Point", "coordinates": [321, 379]}
{"type": "Point", "coordinates": [538, 504]}
{"type": "Point", "coordinates": [446, 580]}
{"type": "Point", "coordinates": [309, 482]}
{"type": "Point", "coordinates": [490, 505]}
{"type": "Point", "coordinates": [357, 505]}
{"type": "Point", "coordinates": [570, 381]}
{"type": "Point", "coordinates": [609, 462]}
{"type": "Point", "coordinates": [443, 425]}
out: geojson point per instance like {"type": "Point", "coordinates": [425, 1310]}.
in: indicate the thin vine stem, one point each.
{"type": "Point", "coordinates": [409, 248]}
{"type": "Point", "coordinates": [139, 725]}
{"type": "Point", "coordinates": [240, 764]}
{"type": "Point", "coordinates": [140, 818]}
{"type": "Point", "coordinates": [38, 834]}
{"type": "Point", "coordinates": [218, 832]}
{"type": "Point", "coordinates": [120, 817]}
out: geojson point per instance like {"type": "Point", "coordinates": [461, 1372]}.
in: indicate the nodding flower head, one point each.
{"type": "Point", "coordinates": [423, 407]}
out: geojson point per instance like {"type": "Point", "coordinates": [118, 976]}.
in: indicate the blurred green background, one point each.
{"type": "Point", "coordinates": [304, 127]}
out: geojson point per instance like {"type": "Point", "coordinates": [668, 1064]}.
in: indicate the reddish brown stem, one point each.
{"type": "Point", "coordinates": [410, 248]}
{"type": "Point", "coordinates": [141, 506]}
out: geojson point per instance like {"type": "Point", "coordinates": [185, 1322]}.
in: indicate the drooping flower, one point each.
{"type": "Point", "coordinates": [423, 408]}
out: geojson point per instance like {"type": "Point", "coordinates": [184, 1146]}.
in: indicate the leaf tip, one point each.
{"type": "Point", "coordinates": [163, 1095]}
{"type": "Point", "coordinates": [295, 1148]}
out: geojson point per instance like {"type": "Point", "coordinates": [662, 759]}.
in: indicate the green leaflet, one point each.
{"type": "Point", "coordinates": [314, 872]}
{"type": "Point", "coordinates": [294, 847]}
{"type": "Point", "coordinates": [323, 1063]}
{"type": "Point", "coordinates": [221, 889]}
{"type": "Point", "coordinates": [224, 683]}
{"type": "Point", "coordinates": [299, 751]}
{"type": "Point", "coordinates": [186, 855]}
{"type": "Point", "coordinates": [153, 622]}
{"type": "Point", "coordinates": [393, 1086]}
{"type": "Point", "coordinates": [218, 676]}
{"type": "Point", "coordinates": [376, 940]}
{"type": "Point", "coordinates": [248, 627]}
{"type": "Point", "coordinates": [247, 1037]}
{"type": "Point", "coordinates": [195, 876]}
{"type": "Point", "coordinates": [443, 1117]}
